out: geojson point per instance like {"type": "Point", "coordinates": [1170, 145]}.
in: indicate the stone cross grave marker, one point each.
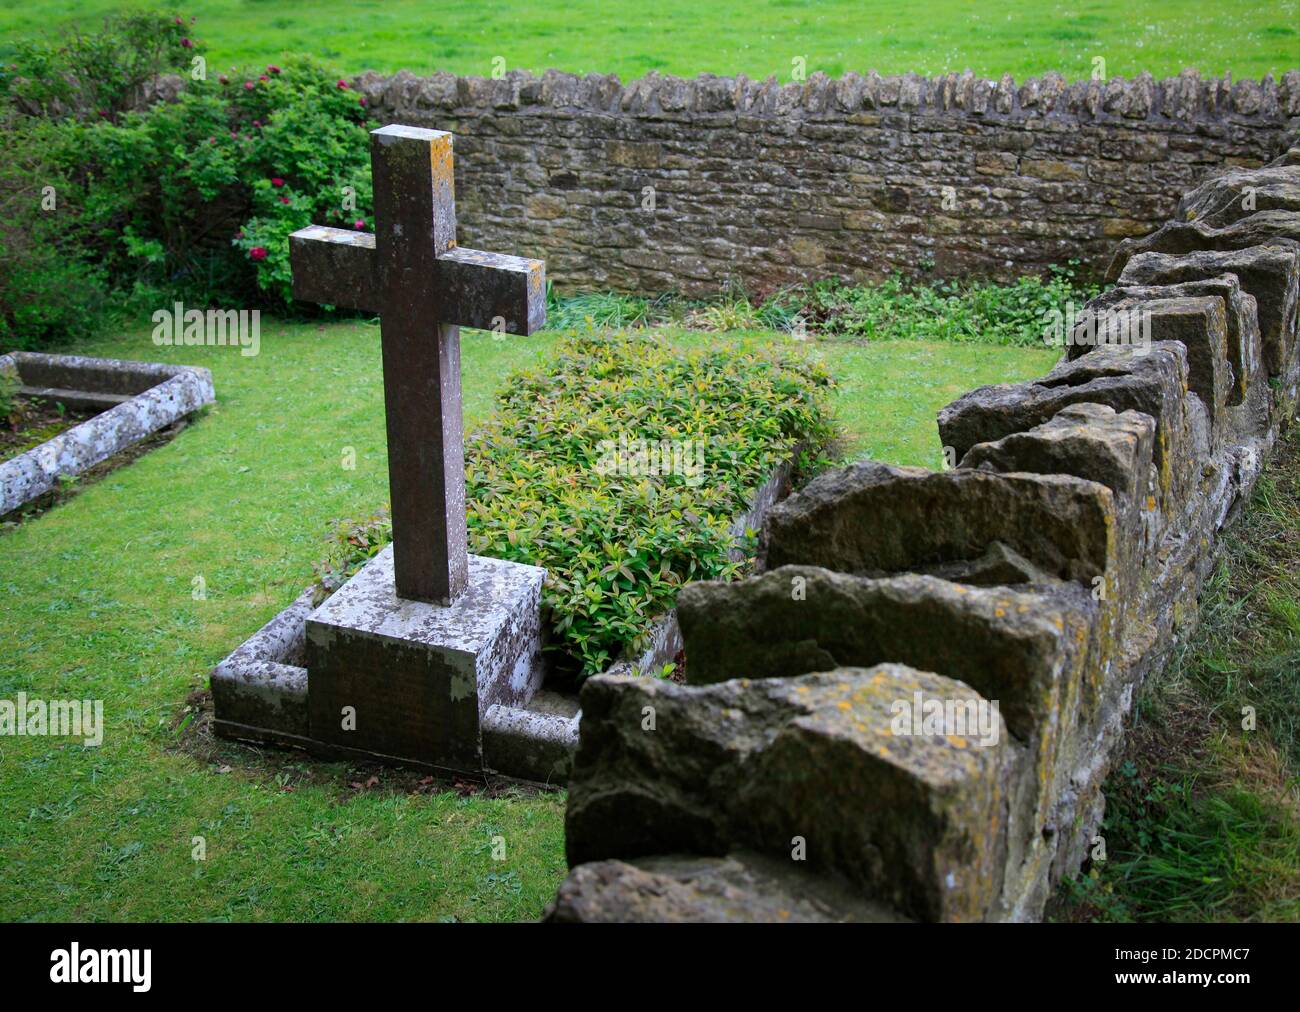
{"type": "Point", "coordinates": [424, 288]}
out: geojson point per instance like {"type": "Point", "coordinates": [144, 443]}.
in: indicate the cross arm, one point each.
{"type": "Point", "coordinates": [336, 266]}
{"type": "Point", "coordinates": [482, 288]}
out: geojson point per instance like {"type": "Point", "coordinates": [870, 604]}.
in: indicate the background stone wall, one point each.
{"type": "Point", "coordinates": [776, 184]}
{"type": "Point", "coordinates": [1045, 576]}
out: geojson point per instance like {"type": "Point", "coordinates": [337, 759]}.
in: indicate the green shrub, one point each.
{"type": "Point", "coordinates": [51, 287]}
{"type": "Point", "coordinates": [895, 309]}
{"type": "Point", "coordinates": [98, 74]}
{"type": "Point", "coordinates": [986, 312]}
{"type": "Point", "coordinates": [544, 488]}
{"type": "Point", "coordinates": [608, 310]}
{"type": "Point", "coordinates": [9, 384]}
{"type": "Point", "coordinates": [204, 191]}
{"type": "Point", "coordinates": [192, 198]}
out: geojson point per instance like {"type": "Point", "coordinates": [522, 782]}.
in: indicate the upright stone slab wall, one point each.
{"type": "Point", "coordinates": [1051, 571]}
{"type": "Point", "coordinates": [859, 177]}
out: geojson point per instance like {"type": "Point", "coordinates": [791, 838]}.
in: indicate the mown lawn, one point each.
{"type": "Point", "coordinates": [757, 37]}
{"type": "Point", "coordinates": [96, 600]}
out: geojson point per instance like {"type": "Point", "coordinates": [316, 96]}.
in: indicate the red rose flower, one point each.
{"type": "Point", "coordinates": [284, 200]}
{"type": "Point", "coordinates": [363, 100]}
{"type": "Point", "coordinates": [248, 85]}
{"type": "Point", "coordinates": [277, 181]}
{"type": "Point", "coordinates": [187, 44]}
{"type": "Point", "coordinates": [273, 69]}
{"type": "Point", "coordinates": [359, 223]}
{"type": "Point", "coordinates": [343, 85]}
{"type": "Point", "coordinates": [258, 252]}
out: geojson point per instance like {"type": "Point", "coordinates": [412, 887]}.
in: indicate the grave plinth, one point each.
{"type": "Point", "coordinates": [412, 680]}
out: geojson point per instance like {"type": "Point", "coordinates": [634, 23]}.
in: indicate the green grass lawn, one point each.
{"type": "Point", "coordinates": [96, 601]}
{"type": "Point", "coordinates": [756, 37]}
{"type": "Point", "coordinates": [1202, 811]}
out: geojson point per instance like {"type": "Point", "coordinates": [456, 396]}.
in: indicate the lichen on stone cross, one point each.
{"type": "Point", "coordinates": [424, 288]}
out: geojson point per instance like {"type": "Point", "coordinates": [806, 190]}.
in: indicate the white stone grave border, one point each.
{"type": "Point", "coordinates": [139, 398]}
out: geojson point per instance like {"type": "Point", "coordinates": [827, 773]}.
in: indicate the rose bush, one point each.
{"type": "Point", "coordinates": [191, 197]}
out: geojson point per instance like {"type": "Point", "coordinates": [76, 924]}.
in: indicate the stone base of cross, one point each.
{"type": "Point", "coordinates": [406, 658]}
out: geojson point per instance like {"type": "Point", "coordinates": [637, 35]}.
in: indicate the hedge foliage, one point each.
{"type": "Point", "coordinates": [617, 543]}
{"type": "Point", "coordinates": [191, 198]}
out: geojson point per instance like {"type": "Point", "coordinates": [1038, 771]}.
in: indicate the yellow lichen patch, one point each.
{"type": "Point", "coordinates": [844, 704]}
{"type": "Point", "coordinates": [956, 740]}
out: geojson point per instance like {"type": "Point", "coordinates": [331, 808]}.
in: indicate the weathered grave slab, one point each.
{"type": "Point", "coordinates": [1151, 381]}
{"type": "Point", "coordinates": [1200, 324]}
{"type": "Point", "coordinates": [137, 399]}
{"type": "Point", "coordinates": [1092, 441]}
{"type": "Point", "coordinates": [1273, 227]}
{"type": "Point", "coordinates": [1237, 193]}
{"type": "Point", "coordinates": [259, 692]}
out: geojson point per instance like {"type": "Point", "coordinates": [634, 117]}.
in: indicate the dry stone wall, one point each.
{"type": "Point", "coordinates": [668, 184]}
{"type": "Point", "coordinates": [1050, 572]}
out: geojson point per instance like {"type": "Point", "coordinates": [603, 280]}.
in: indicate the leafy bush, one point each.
{"type": "Point", "coordinates": [100, 74]}
{"type": "Point", "coordinates": [607, 310]}
{"type": "Point", "coordinates": [543, 488]}
{"type": "Point", "coordinates": [51, 288]}
{"type": "Point", "coordinates": [987, 312]}
{"type": "Point", "coordinates": [9, 385]}
{"type": "Point", "coordinates": [895, 309]}
{"type": "Point", "coordinates": [215, 181]}
{"type": "Point", "coordinates": [192, 198]}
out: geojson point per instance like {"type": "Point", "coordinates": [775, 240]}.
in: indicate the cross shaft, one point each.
{"type": "Point", "coordinates": [424, 288]}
